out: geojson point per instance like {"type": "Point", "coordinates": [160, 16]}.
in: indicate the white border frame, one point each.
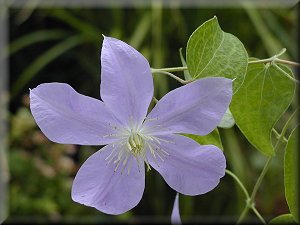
{"type": "Point", "coordinates": [5, 5]}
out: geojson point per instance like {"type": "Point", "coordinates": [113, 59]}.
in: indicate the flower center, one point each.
{"type": "Point", "coordinates": [135, 143]}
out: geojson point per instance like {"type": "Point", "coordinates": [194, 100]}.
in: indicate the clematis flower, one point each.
{"type": "Point", "coordinates": [112, 180]}
{"type": "Point", "coordinates": [175, 216]}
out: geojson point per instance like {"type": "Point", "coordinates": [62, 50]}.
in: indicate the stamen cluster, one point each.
{"type": "Point", "coordinates": [135, 140]}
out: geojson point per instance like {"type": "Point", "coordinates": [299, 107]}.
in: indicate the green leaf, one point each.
{"type": "Point", "coordinates": [212, 138]}
{"type": "Point", "coordinates": [283, 219]}
{"type": "Point", "coordinates": [214, 53]}
{"type": "Point", "coordinates": [186, 73]}
{"type": "Point", "coordinates": [227, 120]}
{"type": "Point", "coordinates": [259, 103]}
{"type": "Point", "coordinates": [291, 174]}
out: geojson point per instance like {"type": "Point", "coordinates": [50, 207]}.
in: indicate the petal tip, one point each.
{"type": "Point", "coordinates": [109, 39]}
{"type": "Point", "coordinates": [31, 92]}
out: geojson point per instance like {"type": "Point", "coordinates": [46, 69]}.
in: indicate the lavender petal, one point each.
{"type": "Point", "coordinates": [189, 168]}
{"type": "Point", "coordinates": [196, 108]}
{"type": "Point", "coordinates": [126, 81]}
{"type": "Point", "coordinates": [175, 217]}
{"type": "Point", "coordinates": [68, 117]}
{"type": "Point", "coordinates": [98, 185]}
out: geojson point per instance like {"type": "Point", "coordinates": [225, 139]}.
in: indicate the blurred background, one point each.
{"type": "Point", "coordinates": [48, 44]}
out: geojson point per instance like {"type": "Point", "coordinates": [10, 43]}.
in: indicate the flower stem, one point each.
{"type": "Point", "coordinates": [275, 59]}
{"type": "Point", "coordinates": [272, 59]}
{"type": "Point", "coordinates": [258, 215]}
{"type": "Point", "coordinates": [287, 62]}
{"type": "Point", "coordinates": [250, 204]}
{"type": "Point", "coordinates": [260, 178]}
{"type": "Point", "coordinates": [278, 135]}
{"type": "Point", "coordinates": [286, 74]}
{"type": "Point", "coordinates": [243, 214]}
{"type": "Point", "coordinates": [239, 183]}
{"type": "Point", "coordinates": [173, 76]}
{"type": "Point", "coordinates": [248, 199]}
{"type": "Point", "coordinates": [172, 69]}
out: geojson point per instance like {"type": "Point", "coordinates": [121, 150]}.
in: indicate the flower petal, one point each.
{"type": "Point", "coordinates": [190, 168]}
{"type": "Point", "coordinates": [196, 108]}
{"type": "Point", "coordinates": [126, 81]}
{"type": "Point", "coordinates": [68, 117]}
{"type": "Point", "coordinates": [175, 217]}
{"type": "Point", "coordinates": [98, 185]}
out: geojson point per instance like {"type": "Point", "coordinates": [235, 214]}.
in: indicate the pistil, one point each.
{"type": "Point", "coordinates": [135, 143]}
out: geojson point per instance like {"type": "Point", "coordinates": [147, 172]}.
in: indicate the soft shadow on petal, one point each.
{"type": "Point", "coordinates": [126, 81]}
{"type": "Point", "coordinates": [97, 185]}
{"type": "Point", "coordinates": [196, 108]}
{"type": "Point", "coordinates": [68, 117]}
{"type": "Point", "coordinates": [190, 168]}
{"type": "Point", "coordinates": [175, 217]}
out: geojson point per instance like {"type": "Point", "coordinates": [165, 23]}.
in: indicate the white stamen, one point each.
{"type": "Point", "coordinates": [151, 119]}
{"type": "Point", "coordinates": [113, 135]}
{"type": "Point", "coordinates": [117, 166]}
{"type": "Point", "coordinates": [135, 140]}
{"type": "Point", "coordinates": [129, 168]}
{"type": "Point", "coordinates": [128, 145]}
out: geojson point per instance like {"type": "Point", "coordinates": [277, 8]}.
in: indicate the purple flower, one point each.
{"type": "Point", "coordinates": [175, 217]}
{"type": "Point", "coordinates": [113, 179]}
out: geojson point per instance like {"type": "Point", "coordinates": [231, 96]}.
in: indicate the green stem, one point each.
{"type": "Point", "coordinates": [287, 62]}
{"type": "Point", "coordinates": [173, 76]}
{"type": "Point", "coordinates": [268, 60]}
{"type": "Point", "coordinates": [278, 135]}
{"type": "Point", "coordinates": [239, 183]}
{"type": "Point", "coordinates": [286, 126]}
{"type": "Point", "coordinates": [261, 61]}
{"type": "Point", "coordinates": [275, 59]}
{"type": "Point", "coordinates": [250, 204]}
{"type": "Point", "coordinates": [280, 53]}
{"type": "Point", "coordinates": [258, 215]}
{"type": "Point", "coordinates": [260, 178]}
{"type": "Point", "coordinates": [243, 214]}
{"type": "Point", "coordinates": [172, 69]}
{"type": "Point", "coordinates": [272, 59]}
{"type": "Point", "coordinates": [286, 74]}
